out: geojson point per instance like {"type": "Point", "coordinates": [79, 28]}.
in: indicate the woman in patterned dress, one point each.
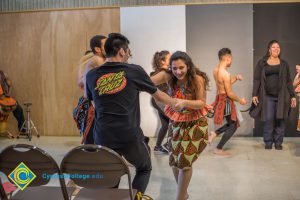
{"type": "Point", "coordinates": [188, 132]}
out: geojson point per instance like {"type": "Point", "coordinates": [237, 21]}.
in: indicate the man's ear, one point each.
{"type": "Point", "coordinates": [97, 49]}
{"type": "Point", "coordinates": [122, 52]}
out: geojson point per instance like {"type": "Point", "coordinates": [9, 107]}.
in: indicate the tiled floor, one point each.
{"type": "Point", "coordinates": [252, 173]}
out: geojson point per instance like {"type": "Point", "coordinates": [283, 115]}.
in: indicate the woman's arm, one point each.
{"type": "Point", "coordinates": [161, 77]}
{"type": "Point", "coordinates": [296, 80]}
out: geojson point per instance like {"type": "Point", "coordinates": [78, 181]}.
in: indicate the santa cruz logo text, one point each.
{"type": "Point", "coordinates": [111, 83]}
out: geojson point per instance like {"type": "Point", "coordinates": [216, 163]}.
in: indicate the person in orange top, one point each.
{"type": "Point", "coordinates": [7, 100]}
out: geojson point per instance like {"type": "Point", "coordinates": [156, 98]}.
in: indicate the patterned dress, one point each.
{"type": "Point", "coordinates": [188, 132]}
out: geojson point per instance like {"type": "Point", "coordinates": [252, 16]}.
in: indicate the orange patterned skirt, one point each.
{"type": "Point", "coordinates": [187, 140]}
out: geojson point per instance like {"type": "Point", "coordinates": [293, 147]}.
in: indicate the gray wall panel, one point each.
{"type": "Point", "coordinates": [212, 27]}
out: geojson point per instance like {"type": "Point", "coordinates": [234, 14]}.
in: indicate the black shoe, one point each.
{"type": "Point", "coordinates": [146, 140]}
{"type": "Point", "coordinates": [268, 146]}
{"type": "Point", "coordinates": [167, 147]}
{"type": "Point", "coordinates": [160, 150]}
{"type": "Point", "coordinates": [278, 147]}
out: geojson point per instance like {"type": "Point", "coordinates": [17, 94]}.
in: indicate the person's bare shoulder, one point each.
{"type": "Point", "coordinates": [225, 75]}
{"type": "Point", "coordinates": [98, 61]}
{"type": "Point", "coordinates": [200, 81]}
{"type": "Point", "coordinates": [215, 71]}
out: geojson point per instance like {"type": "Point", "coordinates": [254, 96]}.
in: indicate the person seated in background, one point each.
{"type": "Point", "coordinates": [7, 101]}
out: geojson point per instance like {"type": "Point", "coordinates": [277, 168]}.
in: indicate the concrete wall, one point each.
{"type": "Point", "coordinates": [212, 27]}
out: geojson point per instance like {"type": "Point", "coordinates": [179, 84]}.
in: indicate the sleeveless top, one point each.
{"type": "Point", "coordinates": [186, 114]}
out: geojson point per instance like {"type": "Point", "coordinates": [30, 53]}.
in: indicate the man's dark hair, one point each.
{"type": "Point", "coordinates": [96, 41]}
{"type": "Point", "coordinates": [114, 43]}
{"type": "Point", "coordinates": [223, 52]}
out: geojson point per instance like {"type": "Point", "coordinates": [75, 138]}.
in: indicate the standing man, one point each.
{"type": "Point", "coordinates": [84, 112]}
{"type": "Point", "coordinates": [225, 107]}
{"type": "Point", "coordinates": [114, 88]}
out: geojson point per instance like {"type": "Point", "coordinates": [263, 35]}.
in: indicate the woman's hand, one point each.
{"type": "Point", "coordinates": [293, 102]}
{"type": "Point", "coordinates": [255, 100]}
{"type": "Point", "coordinates": [180, 104]}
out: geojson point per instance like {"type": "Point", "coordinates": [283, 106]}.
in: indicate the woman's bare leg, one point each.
{"type": "Point", "coordinates": [184, 178]}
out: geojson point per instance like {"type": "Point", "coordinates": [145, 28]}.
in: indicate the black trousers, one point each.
{"type": "Point", "coordinates": [164, 123]}
{"type": "Point", "coordinates": [228, 129]}
{"type": "Point", "coordinates": [19, 115]}
{"type": "Point", "coordinates": [138, 155]}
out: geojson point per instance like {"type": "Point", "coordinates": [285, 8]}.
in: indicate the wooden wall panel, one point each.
{"type": "Point", "coordinates": [40, 53]}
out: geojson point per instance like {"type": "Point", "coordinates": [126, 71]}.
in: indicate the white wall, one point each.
{"type": "Point", "coordinates": [151, 29]}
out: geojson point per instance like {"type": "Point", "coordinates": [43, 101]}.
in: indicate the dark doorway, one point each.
{"type": "Point", "coordinates": [280, 22]}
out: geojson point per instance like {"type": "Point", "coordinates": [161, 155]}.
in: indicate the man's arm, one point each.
{"type": "Point", "coordinates": [235, 78]}
{"type": "Point", "coordinates": [164, 98]}
{"type": "Point", "coordinates": [229, 92]}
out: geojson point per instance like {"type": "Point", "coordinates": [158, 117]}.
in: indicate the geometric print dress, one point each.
{"type": "Point", "coordinates": [187, 134]}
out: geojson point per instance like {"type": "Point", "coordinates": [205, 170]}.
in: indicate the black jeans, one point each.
{"type": "Point", "coordinates": [228, 129]}
{"type": "Point", "coordinates": [273, 128]}
{"type": "Point", "coordinates": [138, 155]}
{"type": "Point", "coordinates": [164, 123]}
{"type": "Point", "coordinates": [18, 114]}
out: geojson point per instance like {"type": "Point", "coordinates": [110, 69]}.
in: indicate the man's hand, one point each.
{"type": "Point", "coordinates": [243, 101]}
{"type": "Point", "coordinates": [255, 100]}
{"type": "Point", "coordinates": [180, 104]}
{"type": "Point", "coordinates": [239, 77]}
{"type": "Point", "coordinates": [293, 102]}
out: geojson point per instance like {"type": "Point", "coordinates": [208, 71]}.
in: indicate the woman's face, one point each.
{"type": "Point", "coordinates": [179, 69]}
{"type": "Point", "coordinates": [274, 50]}
{"type": "Point", "coordinates": [165, 63]}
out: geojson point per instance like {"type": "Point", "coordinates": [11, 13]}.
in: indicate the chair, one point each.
{"type": "Point", "coordinates": [41, 164]}
{"type": "Point", "coordinates": [2, 192]}
{"type": "Point", "coordinates": [103, 168]}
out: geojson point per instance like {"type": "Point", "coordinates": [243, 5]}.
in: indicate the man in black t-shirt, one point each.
{"type": "Point", "coordinates": [114, 88]}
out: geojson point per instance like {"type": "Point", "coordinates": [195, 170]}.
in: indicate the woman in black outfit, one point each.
{"type": "Point", "coordinates": [161, 62]}
{"type": "Point", "coordinates": [273, 89]}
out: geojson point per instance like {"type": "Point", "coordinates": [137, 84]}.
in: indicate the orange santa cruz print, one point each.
{"type": "Point", "coordinates": [111, 83]}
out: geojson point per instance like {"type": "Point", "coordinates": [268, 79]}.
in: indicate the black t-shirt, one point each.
{"type": "Point", "coordinates": [272, 80]}
{"type": "Point", "coordinates": [114, 87]}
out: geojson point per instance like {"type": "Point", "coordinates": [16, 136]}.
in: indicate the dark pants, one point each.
{"type": "Point", "coordinates": [90, 136]}
{"type": "Point", "coordinates": [273, 128]}
{"type": "Point", "coordinates": [138, 155]}
{"type": "Point", "coordinates": [228, 129]}
{"type": "Point", "coordinates": [164, 123]}
{"type": "Point", "coordinates": [18, 114]}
